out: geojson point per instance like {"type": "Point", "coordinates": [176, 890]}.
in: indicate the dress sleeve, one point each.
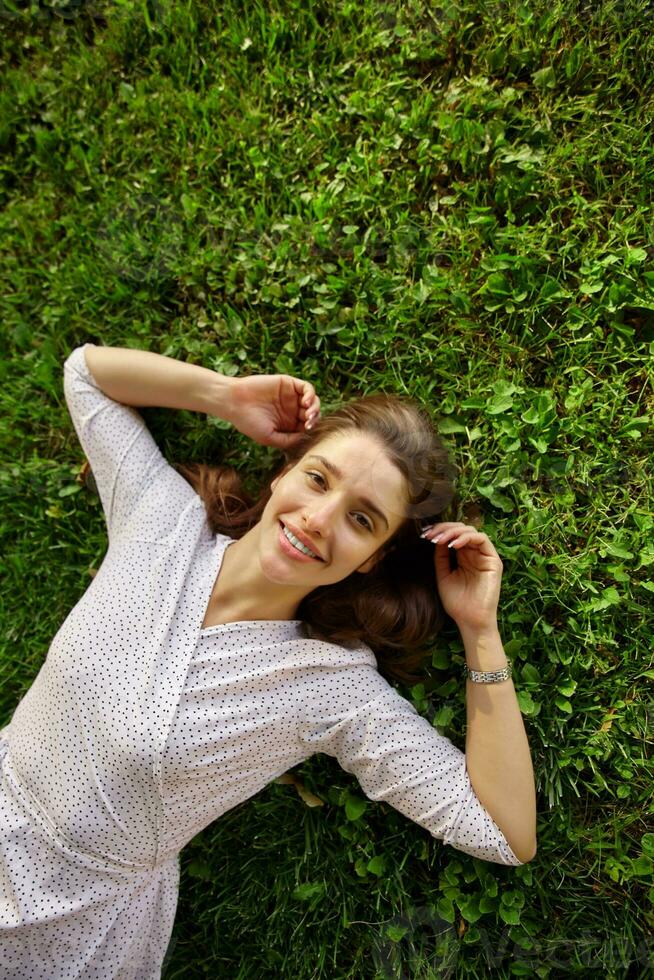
{"type": "Point", "coordinates": [129, 469]}
{"type": "Point", "coordinates": [399, 757]}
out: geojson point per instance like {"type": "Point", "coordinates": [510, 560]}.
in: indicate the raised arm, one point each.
{"type": "Point", "coordinates": [398, 758]}
{"type": "Point", "coordinates": [498, 759]}
{"type": "Point", "coordinates": [497, 751]}
{"type": "Point", "coordinates": [105, 386]}
{"type": "Point", "coordinates": [141, 378]}
{"type": "Point", "coordinates": [136, 484]}
{"type": "Point", "coordinates": [272, 409]}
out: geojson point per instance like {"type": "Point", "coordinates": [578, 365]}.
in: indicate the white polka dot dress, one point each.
{"type": "Point", "coordinates": [141, 728]}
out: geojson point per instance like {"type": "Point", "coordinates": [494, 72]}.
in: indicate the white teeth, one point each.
{"type": "Point", "coordinates": [298, 544]}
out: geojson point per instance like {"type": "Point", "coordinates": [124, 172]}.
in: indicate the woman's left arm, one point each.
{"type": "Point", "coordinates": [498, 758]}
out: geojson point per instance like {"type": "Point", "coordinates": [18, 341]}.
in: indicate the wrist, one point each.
{"type": "Point", "coordinates": [483, 648]}
{"type": "Point", "coordinates": [475, 634]}
{"type": "Point", "coordinates": [218, 396]}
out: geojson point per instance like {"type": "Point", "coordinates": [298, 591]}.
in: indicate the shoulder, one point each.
{"type": "Point", "coordinates": [343, 653]}
{"type": "Point", "coordinates": [341, 680]}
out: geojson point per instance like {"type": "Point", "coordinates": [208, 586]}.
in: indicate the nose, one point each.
{"type": "Point", "coordinates": [320, 519]}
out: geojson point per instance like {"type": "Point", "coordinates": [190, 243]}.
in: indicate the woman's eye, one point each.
{"type": "Point", "coordinates": [365, 523]}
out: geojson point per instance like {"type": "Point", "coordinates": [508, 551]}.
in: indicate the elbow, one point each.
{"type": "Point", "coordinates": [525, 853]}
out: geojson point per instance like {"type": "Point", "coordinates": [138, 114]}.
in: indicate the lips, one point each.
{"type": "Point", "coordinates": [303, 539]}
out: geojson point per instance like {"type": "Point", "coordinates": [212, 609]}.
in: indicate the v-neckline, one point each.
{"type": "Point", "coordinates": [216, 627]}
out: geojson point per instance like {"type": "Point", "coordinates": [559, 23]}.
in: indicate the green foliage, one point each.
{"type": "Point", "coordinates": [448, 201]}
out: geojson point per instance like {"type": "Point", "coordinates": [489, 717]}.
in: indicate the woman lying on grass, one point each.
{"type": "Point", "coordinates": [224, 641]}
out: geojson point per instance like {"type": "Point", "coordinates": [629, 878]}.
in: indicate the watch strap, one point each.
{"type": "Point", "coordinates": [489, 676]}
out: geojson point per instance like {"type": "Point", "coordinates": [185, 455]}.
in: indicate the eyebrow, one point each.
{"type": "Point", "coordinates": [333, 469]}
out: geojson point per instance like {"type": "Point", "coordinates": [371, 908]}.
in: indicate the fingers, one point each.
{"type": "Point", "coordinates": [459, 536]}
{"type": "Point", "coordinates": [309, 402]}
{"type": "Point", "coordinates": [471, 537]}
{"type": "Point", "coordinates": [454, 535]}
{"type": "Point", "coordinates": [446, 528]}
{"type": "Point", "coordinates": [310, 406]}
{"type": "Point", "coordinates": [311, 416]}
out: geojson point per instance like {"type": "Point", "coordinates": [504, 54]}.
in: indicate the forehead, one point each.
{"type": "Point", "coordinates": [343, 445]}
{"type": "Point", "coordinates": [365, 469]}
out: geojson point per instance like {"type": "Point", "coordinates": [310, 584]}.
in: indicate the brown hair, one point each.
{"type": "Point", "coordinates": [395, 608]}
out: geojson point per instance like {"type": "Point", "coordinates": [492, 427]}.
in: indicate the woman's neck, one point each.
{"type": "Point", "coordinates": [242, 592]}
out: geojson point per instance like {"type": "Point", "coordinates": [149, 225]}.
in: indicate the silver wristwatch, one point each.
{"type": "Point", "coordinates": [489, 676]}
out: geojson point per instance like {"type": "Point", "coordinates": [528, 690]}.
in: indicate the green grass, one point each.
{"type": "Point", "coordinates": [453, 202]}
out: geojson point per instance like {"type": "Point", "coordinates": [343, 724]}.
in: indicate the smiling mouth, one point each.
{"type": "Point", "coordinates": [313, 556]}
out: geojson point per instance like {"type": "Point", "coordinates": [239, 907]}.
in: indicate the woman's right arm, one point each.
{"type": "Point", "coordinates": [144, 379]}
{"type": "Point", "coordinates": [127, 464]}
{"type": "Point", "coordinates": [271, 409]}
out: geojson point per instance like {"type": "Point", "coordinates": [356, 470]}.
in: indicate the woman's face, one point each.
{"type": "Point", "coordinates": [327, 508]}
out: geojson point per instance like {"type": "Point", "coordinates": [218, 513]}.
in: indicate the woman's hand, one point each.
{"type": "Point", "coordinates": [273, 409]}
{"type": "Point", "coordinates": [471, 593]}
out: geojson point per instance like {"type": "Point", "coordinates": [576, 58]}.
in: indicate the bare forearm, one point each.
{"type": "Point", "coordinates": [498, 758]}
{"type": "Point", "coordinates": [142, 378]}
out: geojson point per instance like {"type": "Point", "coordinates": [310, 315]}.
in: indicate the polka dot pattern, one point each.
{"type": "Point", "coordinates": [141, 728]}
